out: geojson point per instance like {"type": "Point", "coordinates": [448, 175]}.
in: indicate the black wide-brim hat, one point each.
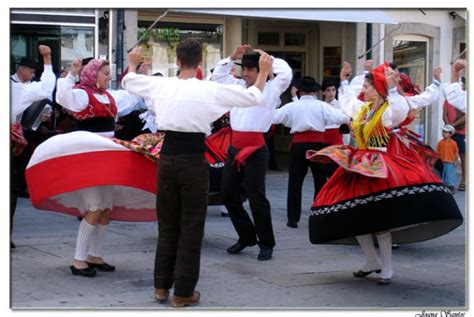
{"type": "Point", "coordinates": [26, 62]}
{"type": "Point", "coordinates": [250, 60]}
{"type": "Point", "coordinates": [328, 82]}
{"type": "Point", "coordinates": [307, 84]}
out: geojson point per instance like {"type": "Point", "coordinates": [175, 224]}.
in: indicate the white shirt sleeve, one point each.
{"type": "Point", "coordinates": [348, 99]}
{"type": "Point", "coordinates": [397, 110]}
{"type": "Point", "coordinates": [456, 96]}
{"type": "Point", "coordinates": [74, 100]}
{"type": "Point", "coordinates": [237, 96]}
{"type": "Point", "coordinates": [221, 73]}
{"type": "Point", "coordinates": [426, 98]}
{"type": "Point", "coordinates": [357, 82]}
{"type": "Point", "coordinates": [282, 115]}
{"type": "Point", "coordinates": [35, 91]}
{"type": "Point", "coordinates": [334, 116]}
{"type": "Point", "coordinates": [125, 101]}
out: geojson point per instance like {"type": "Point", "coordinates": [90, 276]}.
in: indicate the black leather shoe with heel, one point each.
{"type": "Point", "coordinates": [104, 267]}
{"type": "Point", "coordinates": [87, 272]}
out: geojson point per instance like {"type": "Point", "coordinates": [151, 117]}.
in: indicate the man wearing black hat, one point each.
{"type": "Point", "coordinates": [248, 154]}
{"type": "Point", "coordinates": [307, 118]}
{"type": "Point", "coordinates": [23, 94]}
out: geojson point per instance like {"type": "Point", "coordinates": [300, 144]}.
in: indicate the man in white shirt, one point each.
{"type": "Point", "coordinates": [454, 93]}
{"type": "Point", "coordinates": [23, 93]}
{"type": "Point", "coordinates": [248, 157]}
{"type": "Point", "coordinates": [185, 107]}
{"type": "Point", "coordinates": [308, 118]}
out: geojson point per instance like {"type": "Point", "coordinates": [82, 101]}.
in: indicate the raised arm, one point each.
{"type": "Point", "coordinates": [43, 89]}
{"type": "Point", "coordinates": [222, 71]}
{"type": "Point", "coordinates": [430, 95]}
{"type": "Point", "coordinates": [348, 100]}
{"type": "Point", "coordinates": [74, 100]}
{"type": "Point", "coordinates": [398, 108]}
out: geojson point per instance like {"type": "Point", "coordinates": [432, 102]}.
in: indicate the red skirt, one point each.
{"type": "Point", "coordinates": [374, 191]}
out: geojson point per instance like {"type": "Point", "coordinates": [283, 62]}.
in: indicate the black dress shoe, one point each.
{"type": "Point", "coordinates": [383, 281]}
{"type": "Point", "coordinates": [104, 267]}
{"type": "Point", "coordinates": [361, 273]}
{"type": "Point", "coordinates": [395, 246]}
{"type": "Point", "coordinates": [265, 254]}
{"type": "Point", "coordinates": [292, 224]}
{"type": "Point", "coordinates": [12, 245]}
{"type": "Point", "coordinates": [87, 272]}
{"type": "Point", "coordinates": [236, 248]}
{"type": "Point", "coordinates": [225, 214]}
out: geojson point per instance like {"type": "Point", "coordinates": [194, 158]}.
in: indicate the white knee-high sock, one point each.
{"type": "Point", "coordinates": [385, 246]}
{"type": "Point", "coordinates": [367, 244]}
{"type": "Point", "coordinates": [95, 248]}
{"type": "Point", "coordinates": [84, 235]}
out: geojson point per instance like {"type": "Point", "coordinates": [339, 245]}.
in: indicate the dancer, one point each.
{"type": "Point", "coordinates": [76, 173]}
{"type": "Point", "coordinates": [382, 187]}
{"type": "Point", "coordinates": [454, 93]}
{"type": "Point", "coordinates": [248, 155]}
{"type": "Point", "coordinates": [185, 107]}
{"type": "Point", "coordinates": [307, 119]}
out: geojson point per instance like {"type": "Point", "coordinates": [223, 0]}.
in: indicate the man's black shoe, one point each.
{"type": "Point", "coordinates": [236, 248]}
{"type": "Point", "coordinates": [12, 245]}
{"type": "Point", "coordinates": [265, 254]}
{"type": "Point", "coordinates": [292, 224]}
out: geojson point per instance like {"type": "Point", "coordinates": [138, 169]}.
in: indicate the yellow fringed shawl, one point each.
{"type": "Point", "coordinates": [370, 132]}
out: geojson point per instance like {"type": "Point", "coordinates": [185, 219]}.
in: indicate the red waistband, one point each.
{"type": "Point", "coordinates": [333, 137]}
{"type": "Point", "coordinates": [308, 137]}
{"type": "Point", "coordinates": [241, 139]}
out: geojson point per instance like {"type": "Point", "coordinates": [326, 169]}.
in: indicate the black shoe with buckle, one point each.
{"type": "Point", "coordinates": [87, 272]}
{"type": "Point", "coordinates": [292, 224]}
{"type": "Point", "coordinates": [361, 273]}
{"type": "Point", "coordinates": [237, 247]}
{"type": "Point", "coordinates": [104, 267]}
{"type": "Point", "coordinates": [265, 254]}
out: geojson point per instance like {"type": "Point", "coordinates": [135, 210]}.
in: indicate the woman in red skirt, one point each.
{"type": "Point", "coordinates": [382, 187]}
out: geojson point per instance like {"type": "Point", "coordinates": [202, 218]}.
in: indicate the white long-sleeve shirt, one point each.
{"type": "Point", "coordinates": [426, 98]}
{"type": "Point", "coordinates": [391, 118]}
{"type": "Point", "coordinates": [456, 96]}
{"type": "Point", "coordinates": [309, 114]}
{"type": "Point", "coordinates": [76, 100]}
{"type": "Point", "coordinates": [24, 94]}
{"type": "Point", "coordinates": [259, 118]}
{"type": "Point", "coordinates": [189, 105]}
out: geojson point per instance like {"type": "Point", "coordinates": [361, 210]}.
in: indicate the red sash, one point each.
{"type": "Point", "coordinates": [247, 143]}
{"type": "Point", "coordinates": [308, 137]}
{"type": "Point", "coordinates": [333, 137]}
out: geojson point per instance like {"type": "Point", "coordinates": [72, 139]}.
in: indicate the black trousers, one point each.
{"type": "Point", "coordinates": [250, 180]}
{"type": "Point", "coordinates": [183, 182]}
{"type": "Point", "coordinates": [14, 188]}
{"type": "Point", "coordinates": [298, 168]}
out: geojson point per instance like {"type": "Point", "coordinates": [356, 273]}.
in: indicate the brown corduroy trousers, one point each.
{"type": "Point", "coordinates": [183, 182]}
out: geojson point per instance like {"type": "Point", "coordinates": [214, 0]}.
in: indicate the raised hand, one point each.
{"type": "Point", "coordinates": [459, 65]}
{"type": "Point", "coordinates": [76, 66]}
{"type": "Point", "coordinates": [240, 51]}
{"type": "Point", "coordinates": [145, 67]}
{"type": "Point", "coordinates": [44, 50]}
{"type": "Point", "coordinates": [369, 65]}
{"type": "Point", "coordinates": [134, 58]}
{"type": "Point", "coordinates": [265, 62]}
{"type": "Point", "coordinates": [437, 73]}
{"type": "Point", "coordinates": [346, 71]}
{"type": "Point", "coordinates": [391, 77]}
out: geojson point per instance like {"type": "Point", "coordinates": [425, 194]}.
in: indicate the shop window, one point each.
{"type": "Point", "coordinates": [332, 61]}
{"type": "Point", "coordinates": [410, 56]}
{"type": "Point", "coordinates": [268, 38]}
{"type": "Point", "coordinates": [295, 39]}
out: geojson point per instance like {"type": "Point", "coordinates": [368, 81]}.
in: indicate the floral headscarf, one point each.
{"type": "Point", "coordinates": [88, 77]}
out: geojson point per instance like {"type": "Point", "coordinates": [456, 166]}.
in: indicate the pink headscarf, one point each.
{"type": "Point", "coordinates": [88, 77]}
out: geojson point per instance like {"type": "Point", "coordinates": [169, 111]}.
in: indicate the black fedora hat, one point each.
{"type": "Point", "coordinates": [250, 60]}
{"type": "Point", "coordinates": [328, 82]}
{"type": "Point", "coordinates": [307, 84]}
{"type": "Point", "coordinates": [26, 62]}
